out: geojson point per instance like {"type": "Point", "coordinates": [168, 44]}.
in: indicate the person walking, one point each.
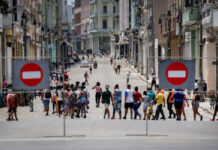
{"type": "Point", "coordinates": [46, 96]}
{"type": "Point", "coordinates": [60, 99]}
{"type": "Point", "coordinates": [98, 89]}
{"type": "Point", "coordinates": [118, 69]}
{"type": "Point", "coordinates": [53, 100]}
{"type": "Point", "coordinates": [73, 102]}
{"type": "Point", "coordinates": [160, 99]}
{"type": "Point", "coordinates": [111, 60]}
{"type": "Point", "coordinates": [106, 98]}
{"type": "Point", "coordinates": [153, 81]}
{"type": "Point", "coordinates": [129, 102]}
{"type": "Point", "coordinates": [178, 102]}
{"type": "Point", "coordinates": [14, 105]}
{"type": "Point", "coordinates": [185, 101]}
{"type": "Point", "coordinates": [53, 83]}
{"type": "Point", "coordinates": [195, 106]}
{"type": "Point", "coordinates": [90, 69]}
{"type": "Point", "coordinates": [86, 76]}
{"type": "Point", "coordinates": [31, 96]}
{"type": "Point", "coordinates": [66, 101]}
{"type": "Point", "coordinates": [151, 96]}
{"type": "Point", "coordinates": [215, 109]}
{"type": "Point", "coordinates": [117, 99]}
{"type": "Point", "coordinates": [170, 101]}
{"type": "Point", "coordinates": [137, 97]}
{"type": "Point", "coordinates": [127, 77]}
{"type": "Point", "coordinates": [146, 100]}
{"type": "Point", "coordinates": [82, 102]}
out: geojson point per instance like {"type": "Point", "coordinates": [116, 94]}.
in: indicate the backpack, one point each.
{"type": "Point", "coordinates": [47, 94]}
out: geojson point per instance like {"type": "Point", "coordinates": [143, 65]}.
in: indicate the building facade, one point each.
{"type": "Point", "coordinates": [102, 24]}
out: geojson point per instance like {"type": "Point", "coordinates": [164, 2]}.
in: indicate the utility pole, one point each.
{"type": "Point", "coordinates": [153, 37]}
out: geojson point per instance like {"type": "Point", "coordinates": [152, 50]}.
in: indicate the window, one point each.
{"type": "Point", "coordinates": [104, 9]}
{"type": "Point", "coordinates": [114, 11]}
{"type": "Point", "coordinates": [104, 24]}
{"type": "Point", "coordinates": [208, 12]}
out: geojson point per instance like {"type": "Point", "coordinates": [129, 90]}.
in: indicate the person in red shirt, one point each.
{"type": "Point", "coordinates": [137, 96]}
{"type": "Point", "coordinates": [111, 60]}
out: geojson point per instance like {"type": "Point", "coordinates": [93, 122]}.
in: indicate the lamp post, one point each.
{"type": "Point", "coordinates": [25, 18]}
{"type": "Point", "coordinates": [169, 35]}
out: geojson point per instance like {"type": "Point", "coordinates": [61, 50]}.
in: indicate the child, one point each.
{"type": "Point", "coordinates": [145, 98]}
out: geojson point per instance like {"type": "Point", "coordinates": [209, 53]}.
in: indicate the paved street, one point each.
{"type": "Point", "coordinates": [36, 131]}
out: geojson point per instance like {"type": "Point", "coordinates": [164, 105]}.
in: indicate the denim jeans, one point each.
{"type": "Point", "coordinates": [159, 110]}
{"type": "Point", "coordinates": [97, 98]}
{"type": "Point", "coordinates": [31, 104]}
{"type": "Point", "coordinates": [136, 107]}
{"type": "Point", "coordinates": [82, 105]}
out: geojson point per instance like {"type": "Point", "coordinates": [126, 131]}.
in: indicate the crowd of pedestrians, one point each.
{"type": "Point", "coordinates": [73, 100]}
{"type": "Point", "coordinates": [133, 99]}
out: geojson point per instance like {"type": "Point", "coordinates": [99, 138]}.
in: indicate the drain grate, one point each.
{"type": "Point", "coordinates": [65, 136]}
{"type": "Point", "coordinates": [149, 135]}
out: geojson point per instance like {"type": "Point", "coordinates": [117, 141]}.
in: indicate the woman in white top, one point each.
{"type": "Point", "coordinates": [145, 98]}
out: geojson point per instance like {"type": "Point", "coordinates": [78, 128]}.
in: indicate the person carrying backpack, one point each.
{"type": "Point", "coordinates": [46, 96]}
{"type": "Point", "coordinates": [82, 102]}
{"type": "Point", "coordinates": [73, 102]}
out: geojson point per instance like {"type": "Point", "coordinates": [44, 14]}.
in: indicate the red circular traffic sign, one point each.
{"type": "Point", "coordinates": [176, 73]}
{"type": "Point", "coordinates": [31, 74]}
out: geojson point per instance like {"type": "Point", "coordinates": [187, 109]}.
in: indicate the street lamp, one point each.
{"type": "Point", "coordinates": [25, 18]}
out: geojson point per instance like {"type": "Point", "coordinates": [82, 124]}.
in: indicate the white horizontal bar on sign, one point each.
{"type": "Point", "coordinates": [176, 74]}
{"type": "Point", "coordinates": [31, 75]}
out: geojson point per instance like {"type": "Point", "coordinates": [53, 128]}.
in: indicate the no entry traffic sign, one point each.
{"type": "Point", "coordinates": [177, 74]}
{"type": "Point", "coordinates": [30, 75]}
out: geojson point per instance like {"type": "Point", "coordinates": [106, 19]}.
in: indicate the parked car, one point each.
{"type": "Point", "coordinates": [84, 63]}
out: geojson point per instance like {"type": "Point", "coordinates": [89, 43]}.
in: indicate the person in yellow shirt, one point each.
{"type": "Point", "coordinates": [160, 99]}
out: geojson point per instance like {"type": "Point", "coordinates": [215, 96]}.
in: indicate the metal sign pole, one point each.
{"type": "Point", "coordinates": [64, 126]}
{"type": "Point", "coordinates": [147, 125]}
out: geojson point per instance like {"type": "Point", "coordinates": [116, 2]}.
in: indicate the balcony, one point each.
{"type": "Point", "coordinates": [93, 15]}
{"type": "Point", "coordinates": [104, 15]}
{"type": "Point", "coordinates": [209, 20]}
{"type": "Point", "coordinates": [93, 1]}
{"type": "Point", "coordinates": [191, 15]}
{"type": "Point", "coordinates": [38, 2]}
{"type": "Point", "coordinates": [104, 1]}
{"type": "Point", "coordinates": [148, 4]}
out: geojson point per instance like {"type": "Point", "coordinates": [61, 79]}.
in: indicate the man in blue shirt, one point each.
{"type": "Point", "coordinates": [117, 98]}
{"type": "Point", "coordinates": [178, 102]}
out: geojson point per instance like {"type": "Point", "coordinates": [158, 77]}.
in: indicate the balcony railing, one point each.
{"type": "Point", "coordinates": [104, 14]}
{"type": "Point", "coordinates": [93, 15]}
{"type": "Point", "coordinates": [104, 1]}
{"type": "Point", "coordinates": [148, 3]}
{"type": "Point", "coordinates": [190, 16]}
{"type": "Point", "coordinates": [93, 1]}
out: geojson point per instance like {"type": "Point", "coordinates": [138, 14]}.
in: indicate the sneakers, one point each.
{"type": "Point", "coordinates": [124, 117]}
{"type": "Point", "coordinates": [211, 119]}
{"type": "Point", "coordinates": [174, 116]}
